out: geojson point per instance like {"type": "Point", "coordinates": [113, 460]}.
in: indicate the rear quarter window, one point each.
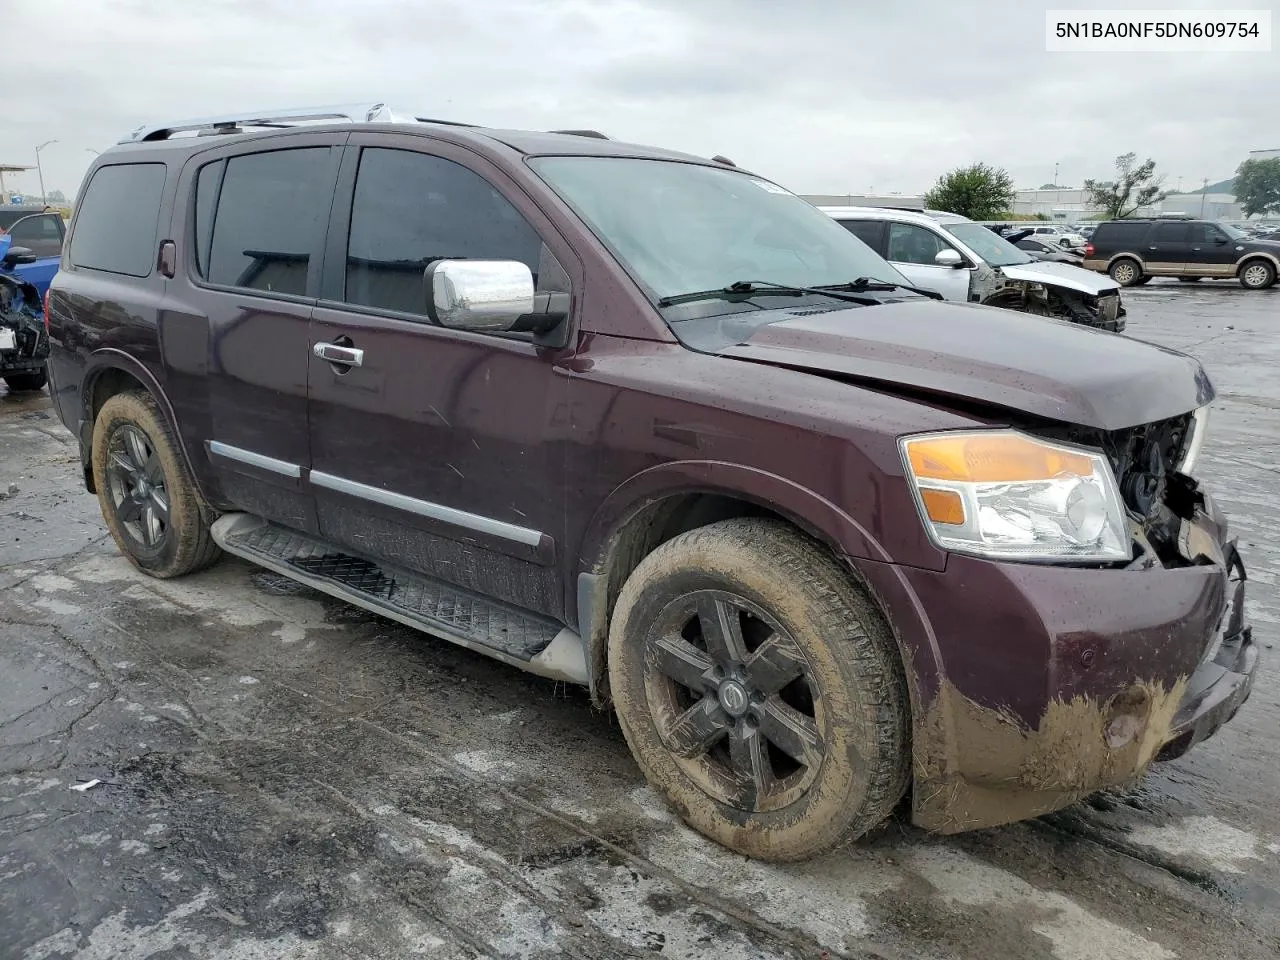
{"type": "Point", "coordinates": [115, 227]}
{"type": "Point", "coordinates": [1119, 234]}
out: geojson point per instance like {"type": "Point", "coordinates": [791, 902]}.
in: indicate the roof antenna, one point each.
{"type": "Point", "coordinates": [720, 158]}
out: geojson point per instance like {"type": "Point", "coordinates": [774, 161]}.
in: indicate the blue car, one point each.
{"type": "Point", "coordinates": [35, 248]}
{"type": "Point", "coordinates": [24, 341]}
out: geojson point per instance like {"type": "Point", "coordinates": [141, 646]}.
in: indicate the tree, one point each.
{"type": "Point", "coordinates": [1257, 187]}
{"type": "Point", "coordinates": [978, 192]}
{"type": "Point", "coordinates": [56, 196]}
{"type": "Point", "coordinates": [1134, 188]}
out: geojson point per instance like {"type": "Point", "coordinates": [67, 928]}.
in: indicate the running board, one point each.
{"type": "Point", "coordinates": [526, 640]}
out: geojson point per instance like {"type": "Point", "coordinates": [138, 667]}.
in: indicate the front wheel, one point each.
{"type": "Point", "coordinates": [760, 689]}
{"type": "Point", "coordinates": [1257, 275]}
{"type": "Point", "coordinates": [148, 498]}
{"type": "Point", "coordinates": [26, 381]}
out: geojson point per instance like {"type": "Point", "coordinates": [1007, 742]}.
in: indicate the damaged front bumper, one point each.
{"type": "Point", "coordinates": [24, 345]}
{"type": "Point", "coordinates": [1077, 685]}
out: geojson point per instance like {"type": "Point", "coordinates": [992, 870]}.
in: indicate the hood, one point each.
{"type": "Point", "coordinates": [1055, 274]}
{"type": "Point", "coordinates": [1046, 368]}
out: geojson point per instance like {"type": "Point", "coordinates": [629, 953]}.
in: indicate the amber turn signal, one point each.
{"type": "Point", "coordinates": [992, 458]}
{"type": "Point", "coordinates": [943, 506]}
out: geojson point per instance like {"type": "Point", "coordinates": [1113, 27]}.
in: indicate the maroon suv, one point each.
{"type": "Point", "coordinates": [653, 424]}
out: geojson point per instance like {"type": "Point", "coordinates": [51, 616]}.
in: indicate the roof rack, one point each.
{"type": "Point", "coordinates": [235, 123]}
{"type": "Point", "coordinates": [346, 113]}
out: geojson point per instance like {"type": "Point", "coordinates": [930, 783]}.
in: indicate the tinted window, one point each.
{"type": "Point", "coordinates": [911, 244]}
{"type": "Point", "coordinates": [410, 209]}
{"type": "Point", "coordinates": [270, 215]}
{"type": "Point", "coordinates": [1170, 232]}
{"type": "Point", "coordinates": [42, 235]}
{"type": "Point", "coordinates": [116, 223]}
{"type": "Point", "coordinates": [868, 231]}
{"type": "Point", "coordinates": [1119, 234]}
{"type": "Point", "coordinates": [207, 184]}
{"type": "Point", "coordinates": [1206, 233]}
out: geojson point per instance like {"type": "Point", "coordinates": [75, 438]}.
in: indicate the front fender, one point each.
{"type": "Point", "coordinates": [811, 512]}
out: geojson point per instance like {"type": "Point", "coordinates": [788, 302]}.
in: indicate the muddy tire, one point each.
{"type": "Point", "coordinates": [26, 381]}
{"type": "Point", "coordinates": [1125, 272]}
{"type": "Point", "coordinates": [148, 499]}
{"type": "Point", "coordinates": [1257, 275]}
{"type": "Point", "coordinates": [760, 689]}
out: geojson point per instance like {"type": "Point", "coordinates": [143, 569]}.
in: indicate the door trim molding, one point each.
{"type": "Point", "coordinates": [249, 458]}
{"type": "Point", "coordinates": [425, 508]}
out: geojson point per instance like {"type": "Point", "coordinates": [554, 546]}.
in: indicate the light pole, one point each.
{"type": "Point", "coordinates": [1204, 195]}
{"type": "Point", "coordinates": [40, 169]}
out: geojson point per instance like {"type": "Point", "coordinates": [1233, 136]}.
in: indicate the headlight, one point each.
{"type": "Point", "coordinates": [999, 493]}
{"type": "Point", "coordinates": [1191, 450]}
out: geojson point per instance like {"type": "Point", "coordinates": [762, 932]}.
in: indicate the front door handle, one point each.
{"type": "Point", "coordinates": [336, 353]}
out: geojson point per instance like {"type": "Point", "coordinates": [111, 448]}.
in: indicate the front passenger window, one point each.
{"type": "Point", "coordinates": [909, 243]}
{"type": "Point", "coordinates": [410, 209]}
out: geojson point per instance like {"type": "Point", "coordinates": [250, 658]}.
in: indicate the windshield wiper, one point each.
{"type": "Point", "coordinates": [746, 289]}
{"type": "Point", "coordinates": [867, 283]}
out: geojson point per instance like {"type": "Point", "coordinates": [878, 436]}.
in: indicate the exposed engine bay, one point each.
{"type": "Point", "coordinates": [1162, 502]}
{"type": "Point", "coordinates": [23, 342]}
{"type": "Point", "coordinates": [1104, 312]}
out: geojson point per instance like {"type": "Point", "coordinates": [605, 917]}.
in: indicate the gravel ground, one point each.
{"type": "Point", "coordinates": [284, 776]}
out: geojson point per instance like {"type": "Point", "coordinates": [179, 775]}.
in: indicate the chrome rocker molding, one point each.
{"type": "Point", "coordinates": [425, 508]}
{"type": "Point", "coordinates": [249, 458]}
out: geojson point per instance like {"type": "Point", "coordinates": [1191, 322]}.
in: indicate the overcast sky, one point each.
{"type": "Point", "coordinates": [825, 96]}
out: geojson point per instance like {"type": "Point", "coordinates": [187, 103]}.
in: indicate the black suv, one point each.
{"type": "Point", "coordinates": [1134, 251]}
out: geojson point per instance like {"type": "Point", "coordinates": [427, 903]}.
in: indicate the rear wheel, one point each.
{"type": "Point", "coordinates": [1257, 275]}
{"type": "Point", "coordinates": [26, 381]}
{"type": "Point", "coordinates": [148, 498]}
{"type": "Point", "coordinates": [760, 689]}
{"type": "Point", "coordinates": [1125, 272]}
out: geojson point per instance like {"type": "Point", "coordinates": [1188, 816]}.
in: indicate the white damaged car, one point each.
{"type": "Point", "coordinates": [968, 262]}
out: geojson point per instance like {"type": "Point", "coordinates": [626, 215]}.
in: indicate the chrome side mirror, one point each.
{"type": "Point", "coordinates": [948, 258]}
{"type": "Point", "coordinates": [478, 294]}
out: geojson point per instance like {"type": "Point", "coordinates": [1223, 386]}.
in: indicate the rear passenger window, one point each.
{"type": "Point", "coordinates": [269, 217]}
{"type": "Point", "coordinates": [410, 209]}
{"type": "Point", "coordinates": [116, 223]}
{"type": "Point", "coordinates": [868, 231]}
{"type": "Point", "coordinates": [1170, 232]}
{"type": "Point", "coordinates": [1119, 234]}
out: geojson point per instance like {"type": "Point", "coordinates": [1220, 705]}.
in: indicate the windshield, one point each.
{"type": "Point", "coordinates": [1232, 232]}
{"type": "Point", "coordinates": [681, 227]}
{"type": "Point", "coordinates": [987, 244]}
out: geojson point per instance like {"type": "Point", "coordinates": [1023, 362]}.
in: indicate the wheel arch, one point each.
{"type": "Point", "coordinates": [666, 501]}
{"type": "Point", "coordinates": [1126, 255]}
{"type": "Point", "coordinates": [108, 372]}
{"type": "Point", "coordinates": [1252, 255]}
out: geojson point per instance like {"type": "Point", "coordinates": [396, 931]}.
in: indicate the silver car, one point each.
{"type": "Point", "coordinates": [966, 261]}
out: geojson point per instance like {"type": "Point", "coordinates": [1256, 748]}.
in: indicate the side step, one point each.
{"type": "Point", "coordinates": [526, 640]}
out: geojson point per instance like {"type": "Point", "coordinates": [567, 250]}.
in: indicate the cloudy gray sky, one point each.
{"type": "Point", "coordinates": [826, 96]}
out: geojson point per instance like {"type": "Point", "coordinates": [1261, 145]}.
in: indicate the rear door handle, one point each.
{"type": "Point", "coordinates": [335, 353]}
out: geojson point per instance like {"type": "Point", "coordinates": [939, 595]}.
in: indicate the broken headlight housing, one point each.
{"type": "Point", "coordinates": [1195, 440]}
{"type": "Point", "coordinates": [1007, 495]}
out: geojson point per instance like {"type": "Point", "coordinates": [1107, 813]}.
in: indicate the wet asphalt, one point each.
{"type": "Point", "coordinates": [285, 776]}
